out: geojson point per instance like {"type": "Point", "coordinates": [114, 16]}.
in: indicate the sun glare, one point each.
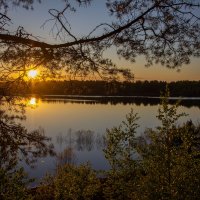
{"type": "Point", "coordinates": [32, 102]}
{"type": "Point", "coordinates": [32, 73]}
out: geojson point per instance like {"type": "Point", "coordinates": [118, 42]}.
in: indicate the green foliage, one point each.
{"type": "Point", "coordinates": [70, 182]}
{"type": "Point", "coordinates": [13, 185]}
{"type": "Point", "coordinates": [169, 164]}
{"type": "Point", "coordinates": [121, 142]}
{"type": "Point", "coordinates": [121, 154]}
{"type": "Point", "coordinates": [171, 171]}
{"type": "Point", "coordinates": [46, 189]}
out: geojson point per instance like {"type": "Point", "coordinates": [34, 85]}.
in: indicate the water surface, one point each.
{"type": "Point", "coordinates": [77, 125]}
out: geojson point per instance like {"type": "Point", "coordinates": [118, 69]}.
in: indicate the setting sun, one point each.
{"type": "Point", "coordinates": [32, 73]}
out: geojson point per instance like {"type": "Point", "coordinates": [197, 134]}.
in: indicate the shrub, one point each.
{"type": "Point", "coordinates": [70, 182]}
{"type": "Point", "coordinates": [13, 185]}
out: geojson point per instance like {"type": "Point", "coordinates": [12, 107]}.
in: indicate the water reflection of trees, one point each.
{"type": "Point", "coordinates": [16, 142]}
{"type": "Point", "coordinates": [82, 140]}
{"type": "Point", "coordinates": [138, 101]}
{"type": "Point", "coordinates": [67, 156]}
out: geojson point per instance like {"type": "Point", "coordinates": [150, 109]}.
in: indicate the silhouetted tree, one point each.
{"type": "Point", "coordinates": [16, 142]}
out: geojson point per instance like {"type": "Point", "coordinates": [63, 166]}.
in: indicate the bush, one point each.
{"type": "Point", "coordinates": [70, 182]}
{"type": "Point", "coordinates": [13, 185]}
{"type": "Point", "coordinates": [163, 164]}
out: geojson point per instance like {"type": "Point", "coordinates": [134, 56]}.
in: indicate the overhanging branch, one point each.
{"type": "Point", "coordinates": [33, 43]}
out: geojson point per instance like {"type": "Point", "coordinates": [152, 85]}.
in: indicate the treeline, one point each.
{"type": "Point", "coordinates": [138, 88]}
{"type": "Point", "coordinates": [102, 88]}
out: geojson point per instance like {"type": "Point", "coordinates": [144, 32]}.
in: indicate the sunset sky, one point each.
{"type": "Point", "coordinates": [82, 22]}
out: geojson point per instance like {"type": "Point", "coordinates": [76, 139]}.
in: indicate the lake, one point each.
{"type": "Point", "coordinates": [77, 125]}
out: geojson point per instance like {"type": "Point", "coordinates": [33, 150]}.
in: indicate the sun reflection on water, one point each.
{"type": "Point", "coordinates": [32, 102]}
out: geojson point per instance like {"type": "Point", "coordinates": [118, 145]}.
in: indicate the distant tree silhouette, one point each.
{"type": "Point", "coordinates": [111, 88]}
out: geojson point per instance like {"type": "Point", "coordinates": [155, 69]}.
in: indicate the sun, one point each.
{"type": "Point", "coordinates": [32, 73]}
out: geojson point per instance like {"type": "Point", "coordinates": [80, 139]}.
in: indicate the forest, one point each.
{"type": "Point", "coordinates": [113, 88]}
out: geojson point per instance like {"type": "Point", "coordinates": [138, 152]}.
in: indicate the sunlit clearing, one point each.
{"type": "Point", "coordinates": [32, 73]}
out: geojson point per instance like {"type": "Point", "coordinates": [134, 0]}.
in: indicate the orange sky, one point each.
{"type": "Point", "coordinates": [161, 73]}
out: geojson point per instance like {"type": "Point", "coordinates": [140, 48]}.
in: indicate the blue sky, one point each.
{"type": "Point", "coordinates": [83, 21]}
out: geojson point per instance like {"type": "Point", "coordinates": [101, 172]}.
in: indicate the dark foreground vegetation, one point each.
{"type": "Point", "coordinates": [163, 163]}
{"type": "Point", "coordinates": [104, 88]}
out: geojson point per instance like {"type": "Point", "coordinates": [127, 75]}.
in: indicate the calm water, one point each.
{"type": "Point", "coordinates": [77, 125]}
